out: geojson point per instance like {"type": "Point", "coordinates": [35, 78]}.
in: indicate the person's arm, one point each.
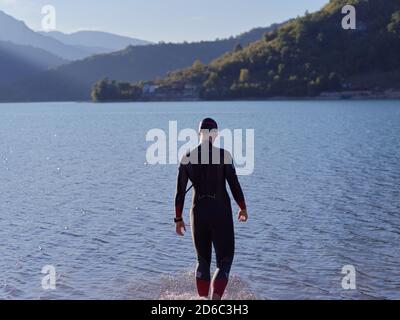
{"type": "Point", "coordinates": [236, 189]}
{"type": "Point", "coordinates": [181, 184]}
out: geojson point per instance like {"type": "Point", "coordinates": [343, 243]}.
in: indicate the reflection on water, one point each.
{"type": "Point", "coordinates": [76, 193]}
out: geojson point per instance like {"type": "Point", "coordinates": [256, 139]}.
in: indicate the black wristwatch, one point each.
{"type": "Point", "coordinates": [178, 220]}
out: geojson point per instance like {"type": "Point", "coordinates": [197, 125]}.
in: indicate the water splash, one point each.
{"type": "Point", "coordinates": [182, 287]}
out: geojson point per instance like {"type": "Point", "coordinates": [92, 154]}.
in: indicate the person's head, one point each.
{"type": "Point", "coordinates": [208, 130]}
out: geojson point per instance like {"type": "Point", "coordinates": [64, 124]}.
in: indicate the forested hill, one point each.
{"type": "Point", "coordinates": [307, 56]}
{"type": "Point", "coordinates": [75, 80]}
{"type": "Point", "coordinates": [18, 61]}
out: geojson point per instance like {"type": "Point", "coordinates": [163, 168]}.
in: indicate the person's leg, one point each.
{"type": "Point", "coordinates": [203, 243]}
{"type": "Point", "coordinates": [224, 245]}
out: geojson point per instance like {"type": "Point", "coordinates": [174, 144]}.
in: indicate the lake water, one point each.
{"type": "Point", "coordinates": [76, 193]}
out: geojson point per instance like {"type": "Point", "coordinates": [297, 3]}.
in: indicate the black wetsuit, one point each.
{"type": "Point", "coordinates": [211, 213]}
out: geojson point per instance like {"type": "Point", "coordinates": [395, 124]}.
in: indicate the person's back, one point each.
{"type": "Point", "coordinates": [208, 168]}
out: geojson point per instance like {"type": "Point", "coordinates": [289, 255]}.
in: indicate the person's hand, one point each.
{"type": "Point", "coordinates": [243, 216]}
{"type": "Point", "coordinates": [180, 228]}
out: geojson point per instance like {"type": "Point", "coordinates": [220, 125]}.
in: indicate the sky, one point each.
{"type": "Point", "coordinates": [161, 20]}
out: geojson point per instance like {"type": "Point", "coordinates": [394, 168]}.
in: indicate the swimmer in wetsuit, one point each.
{"type": "Point", "coordinates": [208, 168]}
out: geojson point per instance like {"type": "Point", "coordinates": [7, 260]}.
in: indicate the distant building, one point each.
{"type": "Point", "coordinates": [150, 88]}
{"type": "Point", "coordinates": [178, 90]}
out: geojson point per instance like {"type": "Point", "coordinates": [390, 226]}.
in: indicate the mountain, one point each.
{"type": "Point", "coordinates": [304, 57]}
{"type": "Point", "coordinates": [96, 41]}
{"type": "Point", "coordinates": [19, 61]}
{"type": "Point", "coordinates": [74, 81]}
{"type": "Point", "coordinates": [17, 32]}
{"type": "Point", "coordinates": [14, 67]}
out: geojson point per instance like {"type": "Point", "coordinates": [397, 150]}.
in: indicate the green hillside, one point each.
{"type": "Point", "coordinates": [304, 57]}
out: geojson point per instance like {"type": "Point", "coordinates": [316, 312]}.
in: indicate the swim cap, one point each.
{"type": "Point", "coordinates": [208, 124]}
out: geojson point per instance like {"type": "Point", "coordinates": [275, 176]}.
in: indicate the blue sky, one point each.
{"type": "Point", "coordinates": [162, 20]}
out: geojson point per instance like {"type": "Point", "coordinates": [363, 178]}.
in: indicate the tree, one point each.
{"type": "Point", "coordinates": [335, 82]}
{"type": "Point", "coordinates": [394, 25]}
{"type": "Point", "coordinates": [269, 36]}
{"type": "Point", "coordinates": [197, 66]}
{"type": "Point", "coordinates": [244, 75]}
{"type": "Point", "coordinates": [105, 90]}
{"type": "Point", "coordinates": [238, 48]}
{"type": "Point", "coordinates": [281, 68]}
{"type": "Point", "coordinates": [211, 80]}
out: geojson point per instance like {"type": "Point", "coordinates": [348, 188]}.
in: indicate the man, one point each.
{"type": "Point", "coordinates": [208, 168]}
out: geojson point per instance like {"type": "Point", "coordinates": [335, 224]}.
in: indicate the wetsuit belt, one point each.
{"type": "Point", "coordinates": [211, 196]}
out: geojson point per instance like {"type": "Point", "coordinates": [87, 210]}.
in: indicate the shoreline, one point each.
{"type": "Point", "coordinates": [322, 99]}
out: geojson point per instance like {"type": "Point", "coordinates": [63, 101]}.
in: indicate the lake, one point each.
{"type": "Point", "coordinates": [76, 193]}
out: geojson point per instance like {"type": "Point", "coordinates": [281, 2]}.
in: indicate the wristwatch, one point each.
{"type": "Point", "coordinates": [178, 220]}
